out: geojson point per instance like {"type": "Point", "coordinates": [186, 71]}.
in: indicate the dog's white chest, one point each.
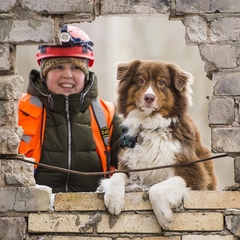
{"type": "Point", "coordinates": [154, 147]}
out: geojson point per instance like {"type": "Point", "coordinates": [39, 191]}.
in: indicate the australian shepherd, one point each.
{"type": "Point", "coordinates": [153, 99]}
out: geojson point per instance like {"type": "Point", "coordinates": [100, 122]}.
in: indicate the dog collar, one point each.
{"type": "Point", "coordinates": [126, 140]}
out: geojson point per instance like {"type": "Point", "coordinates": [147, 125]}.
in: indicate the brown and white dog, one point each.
{"type": "Point", "coordinates": [153, 98]}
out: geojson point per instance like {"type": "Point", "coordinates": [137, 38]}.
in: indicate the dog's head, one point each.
{"type": "Point", "coordinates": [153, 87]}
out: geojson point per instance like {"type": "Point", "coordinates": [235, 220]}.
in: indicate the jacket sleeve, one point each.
{"type": "Point", "coordinates": [30, 119]}
{"type": "Point", "coordinates": [115, 140]}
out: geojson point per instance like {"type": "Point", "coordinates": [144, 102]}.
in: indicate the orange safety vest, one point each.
{"type": "Point", "coordinates": [32, 117]}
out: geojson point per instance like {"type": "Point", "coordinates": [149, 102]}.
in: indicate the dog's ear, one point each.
{"type": "Point", "coordinates": [181, 79]}
{"type": "Point", "coordinates": [122, 69]}
{"type": "Point", "coordinates": [125, 69]}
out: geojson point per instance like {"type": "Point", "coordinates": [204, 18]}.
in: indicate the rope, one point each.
{"type": "Point", "coordinates": [23, 159]}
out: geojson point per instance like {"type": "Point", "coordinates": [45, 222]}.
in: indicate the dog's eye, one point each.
{"type": "Point", "coordinates": [161, 83]}
{"type": "Point", "coordinates": [141, 81]}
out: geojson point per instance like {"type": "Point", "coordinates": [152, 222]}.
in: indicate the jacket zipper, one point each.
{"type": "Point", "coordinates": [69, 160]}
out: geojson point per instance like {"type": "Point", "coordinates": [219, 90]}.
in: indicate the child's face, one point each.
{"type": "Point", "coordinates": [65, 79]}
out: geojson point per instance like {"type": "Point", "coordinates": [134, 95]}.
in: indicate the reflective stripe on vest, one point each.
{"type": "Point", "coordinates": [101, 131]}
{"type": "Point", "coordinates": [31, 105]}
{"type": "Point", "coordinates": [102, 123]}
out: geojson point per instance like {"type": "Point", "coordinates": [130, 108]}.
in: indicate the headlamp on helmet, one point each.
{"type": "Point", "coordinates": [65, 37]}
{"type": "Point", "coordinates": [68, 40]}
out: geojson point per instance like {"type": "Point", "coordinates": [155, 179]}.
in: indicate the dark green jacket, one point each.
{"type": "Point", "coordinates": [77, 150]}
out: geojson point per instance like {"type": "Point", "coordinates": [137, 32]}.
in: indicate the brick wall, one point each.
{"type": "Point", "coordinates": [196, 220]}
{"type": "Point", "coordinates": [26, 209]}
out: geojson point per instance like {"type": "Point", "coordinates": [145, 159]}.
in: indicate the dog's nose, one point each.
{"type": "Point", "coordinates": [149, 98]}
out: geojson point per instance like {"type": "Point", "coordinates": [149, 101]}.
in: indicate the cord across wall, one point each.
{"type": "Point", "coordinates": [28, 160]}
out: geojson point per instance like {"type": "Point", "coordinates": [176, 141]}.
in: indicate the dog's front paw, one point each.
{"type": "Point", "coordinates": [114, 189]}
{"type": "Point", "coordinates": [114, 200]}
{"type": "Point", "coordinates": [161, 209]}
{"type": "Point", "coordinates": [167, 195]}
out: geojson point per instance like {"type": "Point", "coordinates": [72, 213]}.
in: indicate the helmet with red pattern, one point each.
{"type": "Point", "coordinates": [75, 43]}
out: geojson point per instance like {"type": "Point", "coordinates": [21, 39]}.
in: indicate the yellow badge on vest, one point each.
{"type": "Point", "coordinates": [105, 131]}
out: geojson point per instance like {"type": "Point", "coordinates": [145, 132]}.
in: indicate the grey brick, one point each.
{"type": "Point", "coordinates": [196, 29]}
{"type": "Point", "coordinates": [7, 199]}
{"type": "Point", "coordinates": [12, 228]}
{"type": "Point", "coordinates": [226, 139]}
{"type": "Point", "coordinates": [225, 29]}
{"type": "Point", "coordinates": [6, 6]}
{"type": "Point", "coordinates": [237, 169]}
{"type": "Point", "coordinates": [226, 83]}
{"type": "Point", "coordinates": [2, 175]}
{"type": "Point", "coordinates": [221, 111]}
{"type": "Point", "coordinates": [222, 6]}
{"type": "Point", "coordinates": [193, 6]}
{"type": "Point", "coordinates": [233, 223]}
{"type": "Point", "coordinates": [11, 87]}
{"type": "Point", "coordinates": [59, 6]}
{"type": "Point", "coordinates": [207, 6]}
{"type": "Point", "coordinates": [144, 7]}
{"type": "Point", "coordinates": [7, 57]}
{"type": "Point", "coordinates": [19, 173]}
{"type": "Point", "coordinates": [27, 31]}
{"type": "Point", "coordinates": [213, 56]}
{"type": "Point", "coordinates": [9, 139]}
{"type": "Point", "coordinates": [8, 112]}
{"type": "Point", "coordinates": [36, 198]}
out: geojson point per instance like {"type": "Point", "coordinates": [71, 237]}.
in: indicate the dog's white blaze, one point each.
{"type": "Point", "coordinates": [155, 148]}
{"type": "Point", "coordinates": [150, 91]}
